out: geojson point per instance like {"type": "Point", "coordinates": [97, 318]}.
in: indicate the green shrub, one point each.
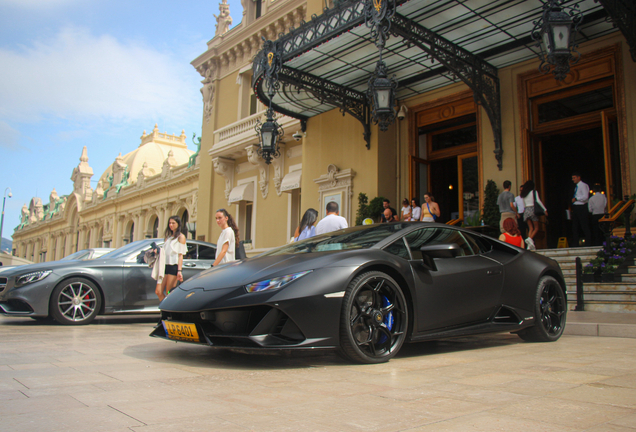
{"type": "Point", "coordinates": [491, 215]}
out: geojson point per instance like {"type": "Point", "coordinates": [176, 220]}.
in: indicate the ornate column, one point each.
{"type": "Point", "coordinates": [118, 232]}
{"type": "Point", "coordinates": [263, 168]}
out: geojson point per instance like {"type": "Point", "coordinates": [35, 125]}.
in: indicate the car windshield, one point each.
{"type": "Point", "coordinates": [79, 255]}
{"type": "Point", "coordinates": [127, 250]}
{"type": "Point", "coordinates": [360, 237]}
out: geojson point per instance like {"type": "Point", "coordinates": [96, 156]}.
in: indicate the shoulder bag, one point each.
{"type": "Point", "coordinates": [538, 209]}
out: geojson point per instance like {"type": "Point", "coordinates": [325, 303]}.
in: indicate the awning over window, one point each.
{"type": "Point", "coordinates": [244, 192]}
{"type": "Point", "coordinates": [291, 181]}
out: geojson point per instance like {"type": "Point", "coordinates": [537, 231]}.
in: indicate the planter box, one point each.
{"type": "Point", "coordinates": [587, 277]}
{"type": "Point", "coordinates": [607, 277]}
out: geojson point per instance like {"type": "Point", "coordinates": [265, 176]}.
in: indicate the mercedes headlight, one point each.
{"type": "Point", "coordinates": [275, 283]}
{"type": "Point", "coordinates": [31, 277]}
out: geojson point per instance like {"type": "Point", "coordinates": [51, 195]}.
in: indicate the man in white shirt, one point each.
{"type": "Point", "coordinates": [597, 205]}
{"type": "Point", "coordinates": [332, 221]}
{"type": "Point", "coordinates": [580, 213]}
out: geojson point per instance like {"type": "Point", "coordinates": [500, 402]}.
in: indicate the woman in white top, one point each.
{"type": "Point", "coordinates": [226, 245]}
{"type": "Point", "coordinates": [406, 210]}
{"type": "Point", "coordinates": [416, 212]}
{"type": "Point", "coordinates": [528, 193]}
{"type": "Point", "coordinates": [171, 256]}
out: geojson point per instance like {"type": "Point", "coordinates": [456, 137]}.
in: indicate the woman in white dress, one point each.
{"type": "Point", "coordinates": [406, 210]}
{"type": "Point", "coordinates": [229, 238]}
{"type": "Point", "coordinates": [168, 271]}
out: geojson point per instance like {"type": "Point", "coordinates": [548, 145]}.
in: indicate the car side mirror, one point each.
{"type": "Point", "coordinates": [429, 253]}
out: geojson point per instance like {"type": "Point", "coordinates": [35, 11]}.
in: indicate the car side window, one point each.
{"type": "Point", "coordinates": [192, 251]}
{"type": "Point", "coordinates": [434, 236]}
{"type": "Point", "coordinates": [398, 248]}
{"type": "Point", "coordinates": [478, 245]}
{"type": "Point", "coordinates": [207, 252]}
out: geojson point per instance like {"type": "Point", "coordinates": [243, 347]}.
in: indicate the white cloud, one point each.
{"type": "Point", "coordinates": [83, 76]}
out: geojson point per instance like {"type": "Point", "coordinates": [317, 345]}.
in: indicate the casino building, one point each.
{"type": "Point", "coordinates": [470, 105]}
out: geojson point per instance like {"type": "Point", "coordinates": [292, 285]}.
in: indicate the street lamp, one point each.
{"type": "Point", "coordinates": [555, 34]}
{"type": "Point", "coordinates": [192, 228]}
{"type": "Point", "coordinates": [2, 220]}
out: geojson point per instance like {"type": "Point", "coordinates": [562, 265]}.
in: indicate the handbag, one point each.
{"type": "Point", "coordinates": [432, 214]}
{"type": "Point", "coordinates": [538, 209]}
{"type": "Point", "coordinates": [150, 257]}
{"type": "Point", "coordinates": [240, 251]}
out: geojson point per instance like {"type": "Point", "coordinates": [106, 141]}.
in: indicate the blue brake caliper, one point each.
{"type": "Point", "coordinates": [388, 319]}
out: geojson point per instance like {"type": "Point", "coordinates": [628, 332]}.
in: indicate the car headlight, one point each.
{"type": "Point", "coordinates": [275, 283]}
{"type": "Point", "coordinates": [31, 277]}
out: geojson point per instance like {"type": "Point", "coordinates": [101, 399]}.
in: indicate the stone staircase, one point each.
{"type": "Point", "coordinates": [618, 296]}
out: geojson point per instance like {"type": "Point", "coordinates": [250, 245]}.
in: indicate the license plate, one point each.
{"type": "Point", "coordinates": [181, 331]}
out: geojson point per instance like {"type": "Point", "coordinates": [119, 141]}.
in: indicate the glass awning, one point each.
{"type": "Point", "coordinates": [327, 62]}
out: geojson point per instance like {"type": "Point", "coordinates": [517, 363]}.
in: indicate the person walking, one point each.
{"type": "Point", "coordinates": [228, 240]}
{"type": "Point", "coordinates": [519, 208]}
{"type": "Point", "coordinates": [416, 212]}
{"type": "Point", "coordinates": [597, 205]}
{"type": "Point", "coordinates": [307, 227]}
{"type": "Point", "coordinates": [530, 200]}
{"type": "Point", "coordinates": [580, 212]}
{"type": "Point", "coordinates": [511, 234]}
{"type": "Point", "coordinates": [431, 211]}
{"type": "Point", "coordinates": [506, 203]}
{"type": "Point", "coordinates": [333, 221]}
{"type": "Point", "coordinates": [167, 272]}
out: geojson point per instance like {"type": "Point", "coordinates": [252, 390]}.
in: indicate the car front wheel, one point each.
{"type": "Point", "coordinates": [75, 302]}
{"type": "Point", "coordinates": [374, 319]}
{"type": "Point", "coordinates": [550, 312]}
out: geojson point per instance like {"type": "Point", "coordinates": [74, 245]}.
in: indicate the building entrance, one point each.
{"type": "Point", "coordinates": [444, 157]}
{"type": "Point", "coordinates": [561, 155]}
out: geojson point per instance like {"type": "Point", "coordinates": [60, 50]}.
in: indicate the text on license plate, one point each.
{"type": "Point", "coordinates": [181, 331]}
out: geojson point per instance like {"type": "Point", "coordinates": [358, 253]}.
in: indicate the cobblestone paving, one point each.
{"type": "Point", "coordinates": [110, 376]}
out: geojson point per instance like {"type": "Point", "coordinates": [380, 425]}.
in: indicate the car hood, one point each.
{"type": "Point", "coordinates": [256, 269]}
{"type": "Point", "coordinates": [53, 265]}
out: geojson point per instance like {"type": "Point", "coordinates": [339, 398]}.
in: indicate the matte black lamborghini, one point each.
{"type": "Point", "coordinates": [366, 290]}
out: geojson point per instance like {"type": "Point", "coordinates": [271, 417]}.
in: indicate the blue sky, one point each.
{"type": "Point", "coordinates": [93, 73]}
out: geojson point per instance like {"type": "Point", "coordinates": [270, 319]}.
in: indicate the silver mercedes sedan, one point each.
{"type": "Point", "coordinates": [74, 292]}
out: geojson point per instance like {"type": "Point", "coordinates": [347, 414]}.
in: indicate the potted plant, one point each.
{"type": "Point", "coordinates": [607, 272]}
{"type": "Point", "coordinates": [588, 273]}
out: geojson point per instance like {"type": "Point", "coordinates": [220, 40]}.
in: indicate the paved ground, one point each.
{"type": "Point", "coordinates": [111, 376]}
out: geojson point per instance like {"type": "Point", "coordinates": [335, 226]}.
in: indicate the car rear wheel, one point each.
{"type": "Point", "coordinates": [550, 312]}
{"type": "Point", "coordinates": [374, 319]}
{"type": "Point", "coordinates": [75, 302]}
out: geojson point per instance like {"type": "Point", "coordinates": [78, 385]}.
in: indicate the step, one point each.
{"type": "Point", "coordinates": [605, 307]}
{"type": "Point", "coordinates": [609, 286]}
{"type": "Point", "coordinates": [568, 252]}
{"type": "Point", "coordinates": [626, 278]}
{"type": "Point", "coordinates": [572, 259]}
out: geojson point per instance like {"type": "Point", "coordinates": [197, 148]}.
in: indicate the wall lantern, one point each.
{"type": "Point", "coordinates": [555, 34]}
{"type": "Point", "coordinates": [192, 228]}
{"type": "Point", "coordinates": [382, 94]}
{"type": "Point", "coordinates": [269, 134]}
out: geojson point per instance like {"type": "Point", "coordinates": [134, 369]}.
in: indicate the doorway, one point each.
{"type": "Point", "coordinates": [561, 155]}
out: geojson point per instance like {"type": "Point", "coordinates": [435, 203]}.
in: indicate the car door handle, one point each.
{"type": "Point", "coordinates": [189, 264]}
{"type": "Point", "coordinates": [493, 272]}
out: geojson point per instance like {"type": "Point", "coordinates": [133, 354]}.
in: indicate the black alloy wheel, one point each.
{"type": "Point", "coordinates": [75, 301]}
{"type": "Point", "coordinates": [550, 312]}
{"type": "Point", "coordinates": [374, 319]}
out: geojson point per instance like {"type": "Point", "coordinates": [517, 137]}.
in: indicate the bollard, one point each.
{"type": "Point", "coordinates": [580, 306]}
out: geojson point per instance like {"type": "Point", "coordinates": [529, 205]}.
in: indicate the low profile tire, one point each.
{"type": "Point", "coordinates": [550, 312]}
{"type": "Point", "coordinates": [75, 301]}
{"type": "Point", "coordinates": [374, 319]}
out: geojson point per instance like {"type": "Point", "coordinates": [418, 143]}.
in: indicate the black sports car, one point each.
{"type": "Point", "coordinates": [75, 291]}
{"type": "Point", "coordinates": [366, 290]}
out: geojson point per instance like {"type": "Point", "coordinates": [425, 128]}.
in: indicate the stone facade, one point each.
{"type": "Point", "coordinates": [132, 200]}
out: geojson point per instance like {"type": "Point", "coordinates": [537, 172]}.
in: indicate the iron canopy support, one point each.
{"type": "Point", "coordinates": [623, 15]}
